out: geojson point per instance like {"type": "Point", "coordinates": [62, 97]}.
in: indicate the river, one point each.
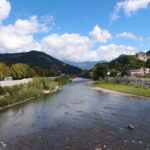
{"type": "Point", "coordinates": [77, 118]}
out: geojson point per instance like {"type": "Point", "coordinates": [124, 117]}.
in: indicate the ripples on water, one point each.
{"type": "Point", "coordinates": [78, 107]}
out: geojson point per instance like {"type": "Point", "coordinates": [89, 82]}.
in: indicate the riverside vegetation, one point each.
{"type": "Point", "coordinates": [136, 90]}
{"type": "Point", "coordinates": [119, 71]}
{"type": "Point", "coordinates": [17, 93]}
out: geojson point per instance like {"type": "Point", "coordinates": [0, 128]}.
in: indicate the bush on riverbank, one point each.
{"type": "Point", "coordinates": [63, 79]}
{"type": "Point", "coordinates": [13, 94]}
{"type": "Point", "coordinates": [49, 84]}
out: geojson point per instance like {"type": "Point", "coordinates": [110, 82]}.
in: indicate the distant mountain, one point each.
{"type": "Point", "coordinates": [86, 65]}
{"type": "Point", "coordinates": [41, 59]}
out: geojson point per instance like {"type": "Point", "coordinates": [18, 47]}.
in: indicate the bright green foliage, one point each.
{"type": "Point", "coordinates": [4, 70]}
{"type": "Point", "coordinates": [20, 71]}
{"type": "Point", "coordinates": [63, 79]}
{"type": "Point", "coordinates": [49, 84]}
{"type": "Point", "coordinates": [21, 92]}
{"type": "Point", "coordinates": [136, 90]}
{"type": "Point", "coordinates": [37, 83]}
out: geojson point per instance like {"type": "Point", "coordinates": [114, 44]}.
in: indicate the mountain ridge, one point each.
{"type": "Point", "coordinates": [86, 65]}
{"type": "Point", "coordinates": [39, 58]}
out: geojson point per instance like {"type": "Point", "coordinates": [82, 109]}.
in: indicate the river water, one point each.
{"type": "Point", "coordinates": [77, 118]}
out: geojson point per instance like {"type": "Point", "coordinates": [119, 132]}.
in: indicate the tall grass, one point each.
{"type": "Point", "coordinates": [17, 93]}
{"type": "Point", "coordinates": [63, 80]}
{"type": "Point", "coordinates": [136, 90]}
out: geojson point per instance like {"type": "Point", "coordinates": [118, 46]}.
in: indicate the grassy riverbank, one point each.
{"type": "Point", "coordinates": [63, 80]}
{"type": "Point", "coordinates": [18, 93]}
{"type": "Point", "coordinates": [136, 90]}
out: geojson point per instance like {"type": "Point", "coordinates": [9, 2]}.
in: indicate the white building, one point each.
{"type": "Point", "coordinates": [142, 56]}
{"type": "Point", "coordinates": [140, 72]}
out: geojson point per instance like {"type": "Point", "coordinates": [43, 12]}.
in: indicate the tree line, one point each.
{"type": "Point", "coordinates": [120, 66]}
{"type": "Point", "coordinates": [20, 71]}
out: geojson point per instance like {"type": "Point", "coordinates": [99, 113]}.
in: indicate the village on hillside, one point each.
{"type": "Point", "coordinates": [143, 70]}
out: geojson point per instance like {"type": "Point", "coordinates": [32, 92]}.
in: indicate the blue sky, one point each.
{"type": "Point", "coordinates": [75, 30]}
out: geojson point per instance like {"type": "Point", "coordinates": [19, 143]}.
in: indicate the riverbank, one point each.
{"type": "Point", "coordinates": [14, 95]}
{"type": "Point", "coordinates": [122, 90]}
{"type": "Point", "coordinates": [31, 98]}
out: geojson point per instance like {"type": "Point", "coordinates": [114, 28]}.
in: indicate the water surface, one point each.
{"type": "Point", "coordinates": [77, 118]}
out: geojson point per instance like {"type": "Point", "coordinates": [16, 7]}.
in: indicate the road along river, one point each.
{"type": "Point", "coordinates": [77, 118]}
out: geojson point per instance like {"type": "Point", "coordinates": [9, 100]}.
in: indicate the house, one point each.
{"type": "Point", "coordinates": [142, 56]}
{"type": "Point", "coordinates": [140, 72]}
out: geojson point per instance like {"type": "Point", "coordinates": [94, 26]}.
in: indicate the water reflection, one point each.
{"type": "Point", "coordinates": [76, 104]}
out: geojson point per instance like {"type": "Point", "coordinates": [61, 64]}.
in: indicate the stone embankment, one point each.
{"type": "Point", "coordinates": [130, 81]}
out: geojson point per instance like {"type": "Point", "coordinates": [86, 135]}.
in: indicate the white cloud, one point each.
{"type": "Point", "coordinates": [30, 25]}
{"type": "Point", "coordinates": [130, 36]}
{"type": "Point", "coordinates": [129, 7]}
{"type": "Point", "coordinates": [20, 35]}
{"type": "Point", "coordinates": [75, 47]}
{"type": "Point", "coordinates": [5, 8]}
{"type": "Point", "coordinates": [68, 46]}
{"type": "Point", "coordinates": [99, 35]}
{"type": "Point", "coordinates": [112, 51]}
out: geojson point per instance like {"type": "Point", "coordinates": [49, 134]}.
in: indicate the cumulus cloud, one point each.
{"type": "Point", "coordinates": [130, 36]}
{"type": "Point", "coordinates": [5, 8]}
{"type": "Point", "coordinates": [99, 35]}
{"type": "Point", "coordinates": [129, 7]}
{"type": "Point", "coordinates": [20, 36]}
{"type": "Point", "coordinates": [75, 47]}
{"type": "Point", "coordinates": [112, 51]}
{"type": "Point", "coordinates": [68, 46]}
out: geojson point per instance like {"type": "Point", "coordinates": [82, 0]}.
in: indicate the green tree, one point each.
{"type": "Point", "coordinates": [39, 71]}
{"type": "Point", "coordinates": [20, 71]}
{"type": "Point", "coordinates": [4, 70]}
{"type": "Point", "coordinates": [113, 72]}
{"type": "Point", "coordinates": [85, 74]}
{"type": "Point", "coordinates": [148, 63]}
{"type": "Point", "coordinates": [100, 70]}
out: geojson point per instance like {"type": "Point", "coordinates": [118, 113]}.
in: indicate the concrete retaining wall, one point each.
{"type": "Point", "coordinates": [15, 82]}
{"type": "Point", "coordinates": [22, 81]}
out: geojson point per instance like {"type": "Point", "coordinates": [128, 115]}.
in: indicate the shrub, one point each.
{"type": "Point", "coordinates": [48, 84]}
{"type": "Point", "coordinates": [2, 91]}
{"type": "Point", "coordinates": [37, 83]}
{"type": "Point", "coordinates": [63, 80]}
